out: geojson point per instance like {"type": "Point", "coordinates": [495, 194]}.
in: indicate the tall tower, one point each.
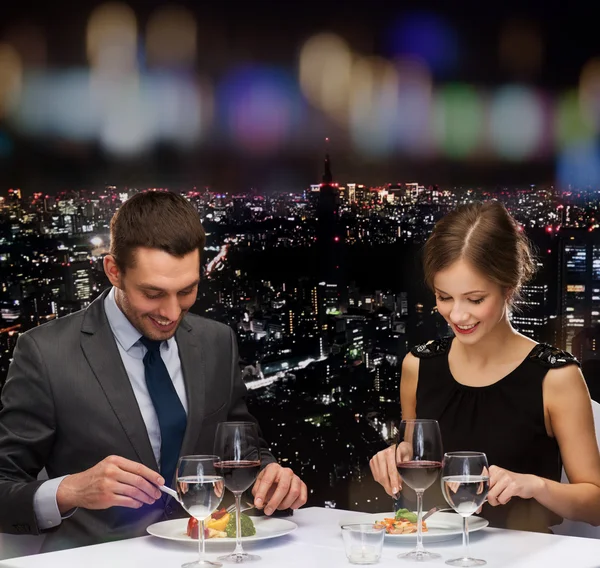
{"type": "Point", "coordinates": [329, 238]}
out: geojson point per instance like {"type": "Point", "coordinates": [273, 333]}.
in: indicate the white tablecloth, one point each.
{"type": "Point", "coordinates": [318, 542]}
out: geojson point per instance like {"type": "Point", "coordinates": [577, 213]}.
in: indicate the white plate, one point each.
{"type": "Point", "coordinates": [440, 526]}
{"type": "Point", "coordinates": [265, 528]}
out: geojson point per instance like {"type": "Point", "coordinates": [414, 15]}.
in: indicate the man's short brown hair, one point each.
{"type": "Point", "coordinates": [158, 220]}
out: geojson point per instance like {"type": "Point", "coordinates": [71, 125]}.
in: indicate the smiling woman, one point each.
{"type": "Point", "coordinates": [494, 390]}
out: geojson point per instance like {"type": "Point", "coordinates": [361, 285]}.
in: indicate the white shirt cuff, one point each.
{"type": "Point", "coordinates": [45, 506]}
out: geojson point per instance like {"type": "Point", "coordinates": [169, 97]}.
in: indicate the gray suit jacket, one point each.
{"type": "Point", "coordinates": [68, 404]}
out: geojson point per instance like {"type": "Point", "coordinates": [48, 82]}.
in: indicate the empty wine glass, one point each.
{"type": "Point", "coordinates": [238, 445]}
{"type": "Point", "coordinates": [465, 484]}
{"type": "Point", "coordinates": [200, 491]}
{"type": "Point", "coordinates": [419, 461]}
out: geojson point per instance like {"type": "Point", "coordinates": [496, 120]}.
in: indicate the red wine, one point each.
{"type": "Point", "coordinates": [419, 475]}
{"type": "Point", "coordinates": [238, 475]}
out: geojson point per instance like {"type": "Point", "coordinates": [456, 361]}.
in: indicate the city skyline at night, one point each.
{"type": "Point", "coordinates": [324, 290]}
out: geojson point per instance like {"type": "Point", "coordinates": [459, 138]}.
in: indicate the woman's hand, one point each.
{"type": "Point", "coordinates": [384, 467]}
{"type": "Point", "coordinates": [504, 485]}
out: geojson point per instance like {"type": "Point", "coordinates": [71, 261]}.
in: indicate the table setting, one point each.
{"type": "Point", "coordinates": [213, 536]}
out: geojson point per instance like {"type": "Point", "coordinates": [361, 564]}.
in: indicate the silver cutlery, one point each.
{"type": "Point", "coordinates": [435, 510]}
{"type": "Point", "coordinates": [170, 492]}
{"type": "Point", "coordinates": [245, 505]}
{"type": "Point", "coordinates": [440, 509]}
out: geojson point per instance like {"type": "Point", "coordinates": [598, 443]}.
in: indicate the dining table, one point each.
{"type": "Point", "coordinates": [318, 542]}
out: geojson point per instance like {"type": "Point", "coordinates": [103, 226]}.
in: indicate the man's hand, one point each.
{"type": "Point", "coordinates": [278, 487]}
{"type": "Point", "coordinates": [385, 470]}
{"type": "Point", "coordinates": [504, 485]}
{"type": "Point", "coordinates": [114, 482]}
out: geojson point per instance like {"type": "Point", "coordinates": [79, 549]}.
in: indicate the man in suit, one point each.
{"type": "Point", "coordinates": [106, 399]}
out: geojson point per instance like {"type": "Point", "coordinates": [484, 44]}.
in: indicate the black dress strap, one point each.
{"type": "Point", "coordinates": [433, 348]}
{"type": "Point", "coordinates": [552, 357]}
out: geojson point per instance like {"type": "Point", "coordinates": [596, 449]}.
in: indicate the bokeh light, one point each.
{"type": "Point", "coordinates": [459, 120]}
{"type": "Point", "coordinates": [589, 92]}
{"type": "Point", "coordinates": [182, 108]}
{"type": "Point", "coordinates": [58, 104]}
{"type": "Point", "coordinates": [325, 69]}
{"type": "Point", "coordinates": [570, 125]}
{"type": "Point", "coordinates": [374, 105]}
{"type": "Point", "coordinates": [428, 37]}
{"type": "Point", "coordinates": [516, 123]}
{"type": "Point", "coordinates": [6, 145]}
{"type": "Point", "coordinates": [11, 76]}
{"type": "Point", "coordinates": [578, 166]}
{"type": "Point", "coordinates": [126, 126]}
{"type": "Point", "coordinates": [259, 108]}
{"type": "Point", "coordinates": [112, 38]}
{"type": "Point", "coordinates": [521, 48]}
{"type": "Point", "coordinates": [414, 105]}
{"type": "Point", "coordinates": [30, 42]}
{"type": "Point", "coordinates": [171, 37]}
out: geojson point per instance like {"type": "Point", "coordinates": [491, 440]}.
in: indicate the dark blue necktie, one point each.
{"type": "Point", "coordinates": [172, 418]}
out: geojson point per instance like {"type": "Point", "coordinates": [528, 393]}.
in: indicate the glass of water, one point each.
{"type": "Point", "coordinates": [200, 491]}
{"type": "Point", "coordinates": [465, 484]}
{"type": "Point", "coordinates": [363, 542]}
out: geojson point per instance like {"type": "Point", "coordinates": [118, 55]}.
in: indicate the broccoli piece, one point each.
{"type": "Point", "coordinates": [406, 514]}
{"type": "Point", "coordinates": [248, 528]}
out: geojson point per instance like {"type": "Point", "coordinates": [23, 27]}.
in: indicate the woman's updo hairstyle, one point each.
{"type": "Point", "coordinates": [487, 237]}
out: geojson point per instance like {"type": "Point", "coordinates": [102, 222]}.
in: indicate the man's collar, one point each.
{"type": "Point", "coordinates": [122, 328]}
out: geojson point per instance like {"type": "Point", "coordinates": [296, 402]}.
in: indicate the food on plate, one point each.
{"type": "Point", "coordinates": [403, 522]}
{"type": "Point", "coordinates": [221, 524]}
{"type": "Point", "coordinates": [213, 528]}
{"type": "Point", "coordinates": [248, 528]}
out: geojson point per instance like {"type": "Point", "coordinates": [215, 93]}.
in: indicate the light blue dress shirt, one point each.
{"type": "Point", "coordinates": [132, 353]}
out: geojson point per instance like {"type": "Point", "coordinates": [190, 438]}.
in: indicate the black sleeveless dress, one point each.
{"type": "Point", "coordinates": [505, 420]}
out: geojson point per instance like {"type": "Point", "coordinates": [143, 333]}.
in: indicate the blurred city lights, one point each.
{"type": "Point", "coordinates": [579, 165]}
{"type": "Point", "coordinates": [112, 38]}
{"type": "Point", "coordinates": [414, 106]}
{"type": "Point", "coordinates": [11, 76]}
{"type": "Point", "coordinates": [517, 123]}
{"type": "Point", "coordinates": [325, 69]}
{"type": "Point", "coordinates": [181, 108]}
{"type": "Point", "coordinates": [428, 37]}
{"type": "Point", "coordinates": [589, 92]}
{"type": "Point", "coordinates": [30, 42]}
{"type": "Point", "coordinates": [570, 125]}
{"type": "Point", "coordinates": [171, 37]}
{"type": "Point", "coordinates": [521, 48]}
{"type": "Point", "coordinates": [6, 145]}
{"type": "Point", "coordinates": [374, 105]}
{"type": "Point", "coordinates": [259, 107]}
{"type": "Point", "coordinates": [458, 120]}
{"type": "Point", "coordinates": [383, 106]}
{"type": "Point", "coordinates": [126, 126]}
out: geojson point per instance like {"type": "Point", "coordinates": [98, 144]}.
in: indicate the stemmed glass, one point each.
{"type": "Point", "coordinates": [419, 461]}
{"type": "Point", "coordinates": [465, 484]}
{"type": "Point", "coordinates": [200, 489]}
{"type": "Point", "coordinates": [238, 445]}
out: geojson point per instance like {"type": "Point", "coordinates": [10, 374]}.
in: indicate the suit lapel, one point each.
{"type": "Point", "coordinates": [192, 367]}
{"type": "Point", "coordinates": [101, 351]}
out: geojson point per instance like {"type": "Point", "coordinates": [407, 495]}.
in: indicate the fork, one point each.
{"type": "Point", "coordinates": [245, 505]}
{"type": "Point", "coordinates": [438, 509]}
{"type": "Point", "coordinates": [435, 510]}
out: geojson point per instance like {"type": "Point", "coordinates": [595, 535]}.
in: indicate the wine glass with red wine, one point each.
{"type": "Point", "coordinates": [239, 448]}
{"type": "Point", "coordinates": [419, 461]}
